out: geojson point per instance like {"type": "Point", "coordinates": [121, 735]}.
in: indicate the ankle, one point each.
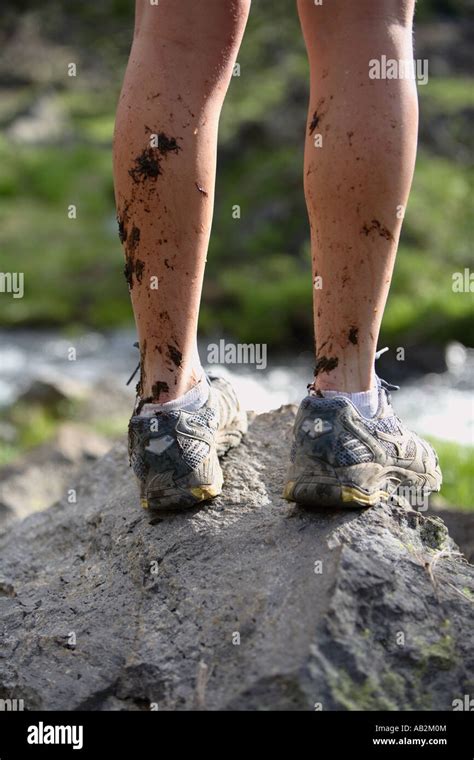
{"type": "Point", "coordinates": [170, 386]}
{"type": "Point", "coordinates": [345, 384]}
{"type": "Point", "coordinates": [191, 400]}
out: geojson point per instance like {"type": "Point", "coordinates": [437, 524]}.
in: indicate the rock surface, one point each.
{"type": "Point", "coordinates": [43, 474]}
{"type": "Point", "coordinates": [103, 607]}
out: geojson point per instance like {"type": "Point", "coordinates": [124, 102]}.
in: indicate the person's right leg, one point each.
{"type": "Point", "coordinates": [349, 447]}
{"type": "Point", "coordinates": [359, 159]}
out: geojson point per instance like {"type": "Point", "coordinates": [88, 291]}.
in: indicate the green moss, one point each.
{"type": "Point", "coordinates": [391, 691]}
{"type": "Point", "coordinates": [387, 694]}
{"type": "Point", "coordinates": [440, 655]}
{"type": "Point", "coordinates": [434, 533]}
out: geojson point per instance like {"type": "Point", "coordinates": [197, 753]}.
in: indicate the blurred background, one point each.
{"type": "Point", "coordinates": [55, 150]}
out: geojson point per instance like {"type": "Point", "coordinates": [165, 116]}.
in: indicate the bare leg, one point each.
{"type": "Point", "coordinates": [164, 166]}
{"type": "Point", "coordinates": [357, 183]}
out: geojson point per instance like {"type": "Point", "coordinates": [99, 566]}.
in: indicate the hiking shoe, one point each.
{"type": "Point", "coordinates": [341, 459]}
{"type": "Point", "coordinates": [174, 454]}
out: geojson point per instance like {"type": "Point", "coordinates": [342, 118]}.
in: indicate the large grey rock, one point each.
{"type": "Point", "coordinates": [102, 609]}
{"type": "Point", "coordinates": [43, 474]}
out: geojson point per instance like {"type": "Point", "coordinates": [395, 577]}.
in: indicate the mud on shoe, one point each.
{"type": "Point", "coordinates": [175, 454]}
{"type": "Point", "coordinates": [341, 459]}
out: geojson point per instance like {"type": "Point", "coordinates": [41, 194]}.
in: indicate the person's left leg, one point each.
{"type": "Point", "coordinates": [165, 147]}
{"type": "Point", "coordinates": [164, 166]}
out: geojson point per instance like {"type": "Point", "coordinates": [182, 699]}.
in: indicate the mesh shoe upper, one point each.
{"type": "Point", "coordinates": [179, 446]}
{"type": "Point", "coordinates": [333, 432]}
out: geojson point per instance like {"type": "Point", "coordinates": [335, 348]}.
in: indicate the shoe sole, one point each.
{"type": "Point", "coordinates": [326, 491]}
{"type": "Point", "coordinates": [176, 500]}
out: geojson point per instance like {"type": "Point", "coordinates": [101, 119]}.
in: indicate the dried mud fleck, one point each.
{"type": "Point", "coordinates": [134, 238]}
{"type": "Point", "coordinates": [175, 355]}
{"type": "Point", "coordinates": [139, 268]}
{"type": "Point", "coordinates": [322, 345]}
{"type": "Point", "coordinates": [380, 229]}
{"type": "Point", "coordinates": [167, 144]}
{"type": "Point", "coordinates": [353, 335]}
{"type": "Point", "coordinates": [314, 123]}
{"type": "Point", "coordinates": [316, 117]}
{"type": "Point", "coordinates": [146, 167]}
{"type": "Point", "coordinates": [128, 272]}
{"type": "Point", "coordinates": [325, 364]}
{"type": "Point", "coordinates": [133, 267]}
{"type": "Point", "coordinates": [122, 230]}
{"type": "Point", "coordinates": [147, 164]}
{"type": "Point", "coordinates": [158, 388]}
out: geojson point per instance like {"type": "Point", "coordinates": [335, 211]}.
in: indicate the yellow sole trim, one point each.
{"type": "Point", "coordinates": [205, 492]}
{"type": "Point", "coordinates": [144, 503]}
{"type": "Point", "coordinates": [350, 493]}
{"type": "Point", "coordinates": [288, 489]}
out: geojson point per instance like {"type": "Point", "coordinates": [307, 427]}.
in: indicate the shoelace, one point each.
{"type": "Point", "coordinates": [135, 345]}
{"type": "Point", "coordinates": [386, 386]}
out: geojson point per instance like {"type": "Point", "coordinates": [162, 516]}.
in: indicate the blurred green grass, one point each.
{"type": "Point", "coordinates": [457, 466]}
